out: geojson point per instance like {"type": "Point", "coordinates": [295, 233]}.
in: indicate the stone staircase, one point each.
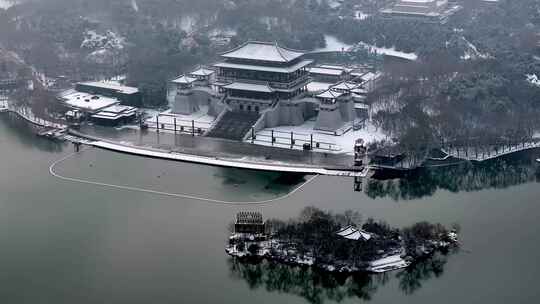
{"type": "Point", "coordinates": [234, 125]}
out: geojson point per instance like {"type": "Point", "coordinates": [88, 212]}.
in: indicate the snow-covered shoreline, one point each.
{"type": "Point", "coordinates": [241, 163]}
{"type": "Point", "coordinates": [335, 45]}
{"type": "Point", "coordinates": [270, 249]}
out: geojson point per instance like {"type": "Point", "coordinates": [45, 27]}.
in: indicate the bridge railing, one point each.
{"type": "Point", "coordinates": [490, 151]}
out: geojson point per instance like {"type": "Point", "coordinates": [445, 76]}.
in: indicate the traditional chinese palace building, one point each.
{"type": "Point", "coordinates": [259, 85]}
{"type": "Point", "coordinates": [426, 10]}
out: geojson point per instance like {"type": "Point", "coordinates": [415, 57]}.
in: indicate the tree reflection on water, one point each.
{"type": "Point", "coordinates": [499, 173]}
{"type": "Point", "coordinates": [410, 279]}
{"type": "Point", "coordinates": [19, 131]}
{"type": "Point", "coordinates": [318, 286]}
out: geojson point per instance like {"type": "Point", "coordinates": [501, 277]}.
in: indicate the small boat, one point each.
{"type": "Point", "coordinates": [538, 160]}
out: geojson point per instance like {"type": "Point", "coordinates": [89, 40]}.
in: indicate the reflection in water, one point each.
{"type": "Point", "coordinates": [314, 286]}
{"type": "Point", "coordinates": [318, 286]}
{"type": "Point", "coordinates": [499, 173]}
{"type": "Point", "coordinates": [19, 130]}
{"type": "Point", "coordinates": [410, 279]}
{"type": "Point", "coordinates": [271, 182]}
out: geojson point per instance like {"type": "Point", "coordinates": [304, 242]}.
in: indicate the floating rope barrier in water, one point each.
{"type": "Point", "coordinates": [162, 193]}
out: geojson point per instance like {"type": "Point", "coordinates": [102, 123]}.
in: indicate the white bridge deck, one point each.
{"type": "Point", "coordinates": [491, 152]}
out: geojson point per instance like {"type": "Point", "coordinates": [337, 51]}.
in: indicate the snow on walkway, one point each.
{"type": "Point", "coordinates": [327, 141]}
{"type": "Point", "coordinates": [200, 118]}
{"type": "Point", "coordinates": [244, 163]}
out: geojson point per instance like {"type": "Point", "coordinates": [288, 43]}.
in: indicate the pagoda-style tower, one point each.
{"type": "Point", "coordinates": [256, 75]}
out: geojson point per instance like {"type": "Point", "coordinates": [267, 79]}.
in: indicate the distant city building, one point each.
{"type": "Point", "coordinates": [426, 10]}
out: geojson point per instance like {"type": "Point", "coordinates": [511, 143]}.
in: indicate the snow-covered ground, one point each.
{"type": "Point", "coordinates": [102, 46]}
{"type": "Point", "coordinates": [389, 51]}
{"type": "Point", "coordinates": [327, 142]}
{"type": "Point", "coordinates": [108, 40]}
{"type": "Point", "coordinates": [5, 4]}
{"type": "Point", "coordinates": [533, 79]}
{"type": "Point", "coordinates": [335, 45]}
{"type": "Point", "coordinates": [201, 119]}
{"type": "Point", "coordinates": [472, 51]}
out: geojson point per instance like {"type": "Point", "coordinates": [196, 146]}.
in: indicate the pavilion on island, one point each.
{"type": "Point", "coordinates": [249, 222]}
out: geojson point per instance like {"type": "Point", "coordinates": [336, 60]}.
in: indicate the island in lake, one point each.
{"type": "Point", "coordinates": [337, 242]}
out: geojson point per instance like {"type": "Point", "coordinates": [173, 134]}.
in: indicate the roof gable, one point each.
{"type": "Point", "coordinates": [329, 94]}
{"type": "Point", "coordinates": [184, 79]}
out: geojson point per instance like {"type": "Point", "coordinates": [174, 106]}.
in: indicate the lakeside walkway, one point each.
{"type": "Point", "coordinates": [26, 114]}
{"type": "Point", "coordinates": [216, 152]}
{"type": "Point", "coordinates": [251, 164]}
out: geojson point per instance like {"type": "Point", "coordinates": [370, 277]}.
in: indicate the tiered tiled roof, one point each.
{"type": "Point", "coordinates": [263, 51]}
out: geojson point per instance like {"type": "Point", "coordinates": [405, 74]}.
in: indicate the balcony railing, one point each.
{"type": "Point", "coordinates": [272, 84]}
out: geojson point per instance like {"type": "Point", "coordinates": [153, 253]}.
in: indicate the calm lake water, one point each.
{"type": "Point", "coordinates": [65, 242]}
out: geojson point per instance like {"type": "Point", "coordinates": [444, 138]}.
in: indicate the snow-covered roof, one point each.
{"type": "Point", "coordinates": [387, 260]}
{"type": "Point", "coordinates": [370, 76]}
{"type": "Point", "coordinates": [264, 51]}
{"type": "Point", "coordinates": [111, 85]}
{"type": "Point", "coordinates": [86, 101]}
{"type": "Point", "coordinates": [202, 72]}
{"type": "Point", "coordinates": [346, 231]}
{"type": "Point", "coordinates": [316, 86]}
{"type": "Point", "coordinates": [335, 67]}
{"type": "Point", "coordinates": [330, 94]}
{"type": "Point", "coordinates": [115, 112]}
{"type": "Point", "coordinates": [119, 109]}
{"type": "Point", "coordinates": [345, 85]}
{"type": "Point", "coordinates": [359, 91]}
{"type": "Point", "coordinates": [352, 233]}
{"type": "Point", "coordinates": [263, 68]}
{"type": "Point", "coordinates": [249, 87]}
{"type": "Point", "coordinates": [184, 80]}
{"type": "Point", "coordinates": [326, 71]}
